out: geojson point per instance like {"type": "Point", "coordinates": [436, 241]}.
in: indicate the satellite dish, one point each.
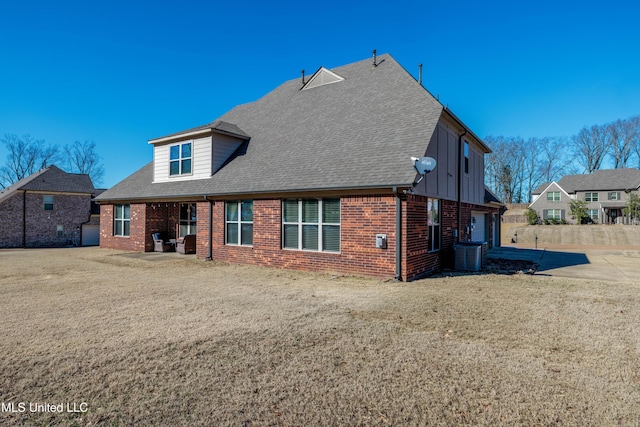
{"type": "Point", "coordinates": [424, 165]}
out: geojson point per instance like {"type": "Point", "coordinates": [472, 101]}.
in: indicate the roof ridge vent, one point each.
{"type": "Point", "coordinates": [322, 77]}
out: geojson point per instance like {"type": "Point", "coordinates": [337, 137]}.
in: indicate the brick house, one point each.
{"type": "Point", "coordinates": [316, 175]}
{"type": "Point", "coordinates": [606, 193]}
{"type": "Point", "coordinates": [48, 208]}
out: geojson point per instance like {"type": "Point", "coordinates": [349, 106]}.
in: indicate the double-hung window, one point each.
{"type": "Point", "coordinates": [180, 159]}
{"type": "Point", "coordinates": [311, 224]}
{"type": "Point", "coordinates": [48, 203]}
{"type": "Point", "coordinates": [593, 214]}
{"type": "Point", "coordinates": [239, 223]}
{"type": "Point", "coordinates": [121, 220]}
{"type": "Point", "coordinates": [590, 197]}
{"type": "Point", "coordinates": [553, 196]}
{"type": "Point", "coordinates": [187, 219]}
{"type": "Point", "coordinates": [433, 220]}
{"type": "Point", "coordinates": [553, 214]}
{"type": "Point", "coordinates": [614, 195]}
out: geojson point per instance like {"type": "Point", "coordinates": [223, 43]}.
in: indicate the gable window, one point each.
{"type": "Point", "coordinates": [614, 195]}
{"type": "Point", "coordinates": [433, 220]}
{"type": "Point", "coordinates": [187, 219]}
{"type": "Point", "coordinates": [590, 197]}
{"type": "Point", "coordinates": [311, 224]}
{"type": "Point", "coordinates": [48, 203]}
{"type": "Point", "coordinates": [121, 220]}
{"type": "Point", "coordinates": [180, 159]}
{"type": "Point", "coordinates": [239, 223]}
{"type": "Point", "coordinates": [466, 157]}
{"type": "Point", "coordinates": [553, 196]}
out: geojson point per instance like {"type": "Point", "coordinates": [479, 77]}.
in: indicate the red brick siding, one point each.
{"type": "Point", "coordinates": [417, 261]}
{"type": "Point", "coordinates": [136, 241]}
{"type": "Point", "coordinates": [11, 222]}
{"type": "Point", "coordinates": [69, 211]}
{"type": "Point", "coordinates": [362, 217]}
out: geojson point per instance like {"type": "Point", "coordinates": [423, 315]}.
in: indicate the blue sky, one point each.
{"type": "Point", "coordinates": [123, 72]}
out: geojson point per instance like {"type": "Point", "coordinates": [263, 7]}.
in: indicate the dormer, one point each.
{"type": "Point", "coordinates": [196, 153]}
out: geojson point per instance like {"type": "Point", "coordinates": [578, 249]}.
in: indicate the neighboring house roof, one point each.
{"type": "Point", "coordinates": [51, 179]}
{"type": "Point", "coordinates": [553, 186]}
{"type": "Point", "coordinates": [540, 188]}
{"type": "Point", "coordinates": [602, 180]}
{"type": "Point", "coordinates": [358, 132]}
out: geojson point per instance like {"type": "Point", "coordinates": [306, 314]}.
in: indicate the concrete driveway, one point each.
{"type": "Point", "coordinates": [585, 262]}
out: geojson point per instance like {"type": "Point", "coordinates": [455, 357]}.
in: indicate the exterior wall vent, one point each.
{"type": "Point", "coordinates": [322, 77]}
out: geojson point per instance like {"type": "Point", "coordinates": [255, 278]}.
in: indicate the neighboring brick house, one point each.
{"type": "Point", "coordinates": [316, 175]}
{"type": "Point", "coordinates": [48, 208]}
{"type": "Point", "coordinates": [606, 193]}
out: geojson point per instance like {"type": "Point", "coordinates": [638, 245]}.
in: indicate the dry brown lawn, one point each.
{"type": "Point", "coordinates": [159, 339]}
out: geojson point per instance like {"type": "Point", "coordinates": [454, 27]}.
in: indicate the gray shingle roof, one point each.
{"type": "Point", "coordinates": [602, 180]}
{"type": "Point", "coordinates": [51, 179]}
{"type": "Point", "coordinates": [357, 133]}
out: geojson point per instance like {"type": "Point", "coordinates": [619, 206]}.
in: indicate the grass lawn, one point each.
{"type": "Point", "coordinates": [163, 339]}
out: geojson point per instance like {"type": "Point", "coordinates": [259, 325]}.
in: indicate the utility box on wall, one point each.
{"type": "Point", "coordinates": [381, 241]}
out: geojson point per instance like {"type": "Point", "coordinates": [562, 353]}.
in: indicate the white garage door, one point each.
{"type": "Point", "coordinates": [90, 235]}
{"type": "Point", "coordinates": [477, 234]}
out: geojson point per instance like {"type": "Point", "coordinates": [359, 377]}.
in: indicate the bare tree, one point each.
{"type": "Point", "coordinates": [26, 156]}
{"type": "Point", "coordinates": [81, 157]}
{"type": "Point", "coordinates": [591, 145]}
{"type": "Point", "coordinates": [506, 168]}
{"type": "Point", "coordinates": [623, 139]}
{"type": "Point", "coordinates": [553, 157]}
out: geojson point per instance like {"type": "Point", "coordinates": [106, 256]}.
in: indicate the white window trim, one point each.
{"type": "Point", "coordinates": [591, 197]}
{"type": "Point", "coordinates": [180, 159]}
{"type": "Point", "coordinates": [553, 199]}
{"type": "Point", "coordinates": [320, 225]}
{"type": "Point", "coordinates": [239, 223]}
{"type": "Point", "coordinates": [122, 220]}
{"type": "Point", "coordinates": [192, 225]}
{"type": "Point", "coordinates": [559, 214]}
{"type": "Point", "coordinates": [434, 226]}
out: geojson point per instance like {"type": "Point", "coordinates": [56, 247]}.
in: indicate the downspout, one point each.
{"type": "Point", "coordinates": [398, 235]}
{"type": "Point", "coordinates": [460, 174]}
{"type": "Point", "coordinates": [210, 237]}
{"type": "Point", "coordinates": [24, 219]}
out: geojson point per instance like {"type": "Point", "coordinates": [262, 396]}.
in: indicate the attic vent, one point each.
{"type": "Point", "coordinates": [322, 77]}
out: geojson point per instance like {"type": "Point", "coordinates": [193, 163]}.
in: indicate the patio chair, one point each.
{"type": "Point", "coordinates": [186, 245]}
{"type": "Point", "coordinates": [160, 245]}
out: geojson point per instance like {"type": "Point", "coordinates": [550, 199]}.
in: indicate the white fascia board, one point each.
{"type": "Point", "coordinates": [187, 135]}
{"type": "Point", "coordinates": [547, 188]}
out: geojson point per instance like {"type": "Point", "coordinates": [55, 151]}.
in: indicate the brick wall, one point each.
{"type": "Point", "coordinates": [136, 241]}
{"type": "Point", "coordinates": [69, 212]}
{"type": "Point", "coordinates": [11, 222]}
{"type": "Point", "coordinates": [362, 217]}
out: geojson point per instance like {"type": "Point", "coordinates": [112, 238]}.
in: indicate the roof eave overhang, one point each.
{"type": "Point", "coordinates": [366, 189]}
{"type": "Point", "coordinates": [180, 136]}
